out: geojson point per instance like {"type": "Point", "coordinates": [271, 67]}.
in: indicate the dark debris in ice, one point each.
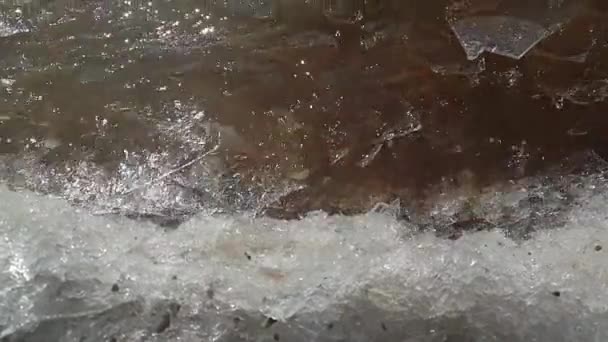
{"type": "Point", "coordinates": [268, 322]}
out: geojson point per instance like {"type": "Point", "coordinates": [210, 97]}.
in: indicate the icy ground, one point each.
{"type": "Point", "coordinates": [70, 276]}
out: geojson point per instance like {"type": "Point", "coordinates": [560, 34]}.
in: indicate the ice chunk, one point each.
{"type": "Point", "coordinates": [405, 128]}
{"type": "Point", "coordinates": [6, 82]}
{"type": "Point", "coordinates": [8, 28]}
{"type": "Point", "coordinates": [503, 35]}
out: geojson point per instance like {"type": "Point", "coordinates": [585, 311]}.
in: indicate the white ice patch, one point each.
{"type": "Point", "coordinates": [7, 29]}
{"type": "Point", "coordinates": [553, 287]}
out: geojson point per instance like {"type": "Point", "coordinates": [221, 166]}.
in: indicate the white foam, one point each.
{"type": "Point", "coordinates": [318, 265]}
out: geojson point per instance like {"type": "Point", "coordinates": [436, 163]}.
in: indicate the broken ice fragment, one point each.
{"type": "Point", "coordinates": [506, 36]}
{"type": "Point", "coordinates": [369, 157]}
{"type": "Point", "coordinates": [6, 82]}
{"type": "Point", "coordinates": [386, 138]}
{"type": "Point", "coordinates": [7, 29]}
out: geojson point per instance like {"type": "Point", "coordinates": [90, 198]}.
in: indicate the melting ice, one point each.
{"type": "Point", "coordinates": [70, 276]}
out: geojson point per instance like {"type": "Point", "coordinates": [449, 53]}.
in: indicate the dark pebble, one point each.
{"type": "Point", "coordinates": [556, 293]}
{"type": "Point", "coordinates": [383, 326]}
{"type": "Point", "coordinates": [174, 277]}
{"type": "Point", "coordinates": [248, 256]}
{"type": "Point", "coordinates": [330, 326]}
{"type": "Point", "coordinates": [598, 248]}
{"type": "Point", "coordinates": [276, 337]}
{"type": "Point", "coordinates": [115, 288]}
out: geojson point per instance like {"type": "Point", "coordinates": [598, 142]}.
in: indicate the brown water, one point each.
{"type": "Point", "coordinates": [335, 114]}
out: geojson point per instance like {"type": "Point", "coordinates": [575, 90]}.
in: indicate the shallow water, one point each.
{"type": "Point", "coordinates": [327, 109]}
{"type": "Point", "coordinates": [145, 140]}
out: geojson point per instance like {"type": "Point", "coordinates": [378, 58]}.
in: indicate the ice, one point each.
{"type": "Point", "coordinates": [586, 93]}
{"type": "Point", "coordinates": [507, 36]}
{"type": "Point", "coordinates": [407, 127]}
{"type": "Point", "coordinates": [70, 276]}
{"type": "Point", "coordinates": [10, 26]}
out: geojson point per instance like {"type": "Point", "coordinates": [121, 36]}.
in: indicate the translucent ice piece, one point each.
{"type": "Point", "coordinates": [503, 35]}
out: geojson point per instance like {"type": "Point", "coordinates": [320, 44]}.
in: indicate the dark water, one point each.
{"type": "Point", "coordinates": [303, 101]}
{"type": "Point", "coordinates": [308, 101]}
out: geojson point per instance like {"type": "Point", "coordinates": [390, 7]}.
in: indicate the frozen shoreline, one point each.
{"type": "Point", "coordinates": [368, 276]}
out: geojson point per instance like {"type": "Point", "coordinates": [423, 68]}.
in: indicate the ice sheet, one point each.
{"type": "Point", "coordinates": [361, 278]}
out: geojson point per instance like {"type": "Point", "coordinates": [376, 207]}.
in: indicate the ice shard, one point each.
{"type": "Point", "coordinates": [503, 35]}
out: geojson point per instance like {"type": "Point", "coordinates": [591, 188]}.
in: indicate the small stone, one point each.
{"type": "Point", "coordinates": [276, 337]}
{"type": "Point", "coordinates": [248, 256]}
{"type": "Point", "coordinates": [598, 248]}
{"type": "Point", "coordinates": [556, 293]}
{"type": "Point", "coordinates": [6, 82]}
{"type": "Point", "coordinates": [174, 277]}
{"type": "Point", "coordinates": [115, 287]}
{"type": "Point", "coordinates": [330, 326]}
